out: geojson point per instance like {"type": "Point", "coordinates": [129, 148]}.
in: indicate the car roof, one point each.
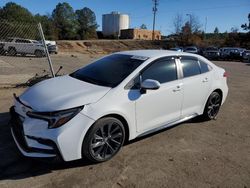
{"type": "Point", "coordinates": [155, 53]}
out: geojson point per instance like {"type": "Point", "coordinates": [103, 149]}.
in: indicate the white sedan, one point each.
{"type": "Point", "coordinates": [93, 111]}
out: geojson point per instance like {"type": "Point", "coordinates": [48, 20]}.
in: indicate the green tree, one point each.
{"type": "Point", "coordinates": [16, 21]}
{"type": "Point", "coordinates": [246, 26]}
{"type": "Point", "coordinates": [14, 12]}
{"type": "Point", "coordinates": [143, 26]}
{"type": "Point", "coordinates": [234, 29]}
{"type": "Point", "coordinates": [49, 29]}
{"type": "Point", "coordinates": [64, 19]}
{"type": "Point", "coordinates": [86, 23]}
{"type": "Point", "coordinates": [216, 30]}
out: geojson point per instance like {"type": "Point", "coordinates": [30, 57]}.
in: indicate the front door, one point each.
{"type": "Point", "coordinates": [156, 108]}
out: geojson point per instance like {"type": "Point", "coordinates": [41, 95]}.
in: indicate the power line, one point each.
{"type": "Point", "coordinates": [156, 3]}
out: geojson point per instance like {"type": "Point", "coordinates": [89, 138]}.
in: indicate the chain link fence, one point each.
{"type": "Point", "coordinates": [22, 46]}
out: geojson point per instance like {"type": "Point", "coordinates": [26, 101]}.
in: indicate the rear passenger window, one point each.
{"type": "Point", "coordinates": [204, 67]}
{"type": "Point", "coordinates": [190, 67]}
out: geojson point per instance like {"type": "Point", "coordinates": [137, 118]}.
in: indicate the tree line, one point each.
{"type": "Point", "coordinates": [191, 33]}
{"type": "Point", "coordinates": [64, 23]}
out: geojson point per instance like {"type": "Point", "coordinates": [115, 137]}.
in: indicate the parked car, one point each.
{"type": "Point", "coordinates": [2, 51]}
{"type": "Point", "coordinates": [52, 46]}
{"type": "Point", "coordinates": [178, 49]}
{"type": "Point", "coordinates": [14, 46]}
{"type": "Point", "coordinates": [191, 49]}
{"type": "Point", "coordinates": [53, 49]}
{"type": "Point", "coordinates": [236, 53]}
{"type": "Point", "coordinates": [231, 53]}
{"type": "Point", "coordinates": [211, 53]}
{"type": "Point", "coordinates": [246, 55]}
{"type": "Point", "coordinates": [117, 98]}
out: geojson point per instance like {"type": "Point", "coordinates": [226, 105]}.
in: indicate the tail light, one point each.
{"type": "Point", "coordinates": [225, 74]}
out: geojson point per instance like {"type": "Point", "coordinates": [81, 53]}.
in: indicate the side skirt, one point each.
{"type": "Point", "coordinates": [167, 125]}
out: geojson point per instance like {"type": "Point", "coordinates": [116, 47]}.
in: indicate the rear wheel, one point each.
{"type": "Point", "coordinates": [213, 106]}
{"type": "Point", "coordinates": [12, 51]}
{"type": "Point", "coordinates": [104, 140]}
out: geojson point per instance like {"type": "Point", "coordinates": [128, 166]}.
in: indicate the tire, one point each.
{"type": "Point", "coordinates": [38, 53]}
{"type": "Point", "coordinates": [12, 51]}
{"type": "Point", "coordinates": [104, 140]}
{"type": "Point", "coordinates": [2, 52]}
{"type": "Point", "coordinates": [212, 106]}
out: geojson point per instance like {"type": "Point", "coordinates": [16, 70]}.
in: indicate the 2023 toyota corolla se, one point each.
{"type": "Point", "coordinates": [91, 112]}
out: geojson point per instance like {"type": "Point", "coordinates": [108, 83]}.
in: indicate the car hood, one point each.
{"type": "Point", "coordinates": [61, 93]}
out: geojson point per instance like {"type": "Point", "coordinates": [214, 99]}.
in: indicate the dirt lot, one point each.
{"type": "Point", "coordinates": [193, 154]}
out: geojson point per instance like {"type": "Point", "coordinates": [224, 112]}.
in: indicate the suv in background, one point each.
{"type": "Point", "coordinates": [230, 53]}
{"type": "Point", "coordinates": [236, 53]}
{"type": "Point", "coordinates": [178, 49]}
{"type": "Point", "coordinates": [191, 49]}
{"type": "Point", "coordinates": [14, 46]}
{"type": "Point", "coordinates": [246, 55]}
{"type": "Point", "coordinates": [52, 46]}
{"type": "Point", "coordinates": [211, 53]}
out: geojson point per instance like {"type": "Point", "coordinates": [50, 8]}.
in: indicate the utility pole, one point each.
{"type": "Point", "coordinates": [156, 3]}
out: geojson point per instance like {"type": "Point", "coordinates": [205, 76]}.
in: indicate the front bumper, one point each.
{"type": "Point", "coordinates": [34, 139]}
{"type": "Point", "coordinates": [18, 134]}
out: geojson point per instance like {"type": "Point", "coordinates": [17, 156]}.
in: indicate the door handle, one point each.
{"type": "Point", "coordinates": [205, 80]}
{"type": "Point", "coordinates": [178, 88]}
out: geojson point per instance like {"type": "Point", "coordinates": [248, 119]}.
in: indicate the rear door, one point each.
{"type": "Point", "coordinates": [197, 79]}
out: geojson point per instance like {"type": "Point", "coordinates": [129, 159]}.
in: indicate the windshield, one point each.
{"type": "Point", "coordinates": [109, 71]}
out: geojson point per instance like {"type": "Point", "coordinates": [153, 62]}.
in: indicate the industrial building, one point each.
{"type": "Point", "coordinates": [113, 23]}
{"type": "Point", "coordinates": [140, 34]}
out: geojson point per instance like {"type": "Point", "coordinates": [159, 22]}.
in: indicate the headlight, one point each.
{"type": "Point", "coordinates": [56, 119]}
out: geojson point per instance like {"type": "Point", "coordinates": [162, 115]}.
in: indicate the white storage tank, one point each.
{"type": "Point", "coordinates": [113, 23]}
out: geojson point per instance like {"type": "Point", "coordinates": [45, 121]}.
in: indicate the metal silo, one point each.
{"type": "Point", "coordinates": [114, 22]}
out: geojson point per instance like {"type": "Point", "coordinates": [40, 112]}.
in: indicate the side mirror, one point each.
{"type": "Point", "coordinates": [149, 84]}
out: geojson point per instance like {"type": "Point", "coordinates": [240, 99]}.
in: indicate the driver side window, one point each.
{"type": "Point", "coordinates": [163, 71]}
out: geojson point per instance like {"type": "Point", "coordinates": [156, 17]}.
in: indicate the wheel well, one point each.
{"type": "Point", "coordinates": [11, 47]}
{"type": "Point", "coordinates": [124, 122]}
{"type": "Point", "coordinates": [220, 92]}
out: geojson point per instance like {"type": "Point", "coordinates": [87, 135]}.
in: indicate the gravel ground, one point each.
{"type": "Point", "coordinates": [192, 154]}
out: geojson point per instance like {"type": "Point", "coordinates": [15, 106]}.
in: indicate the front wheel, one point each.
{"type": "Point", "coordinates": [213, 106]}
{"type": "Point", "coordinates": [104, 140]}
{"type": "Point", "coordinates": [12, 51]}
{"type": "Point", "coordinates": [38, 53]}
